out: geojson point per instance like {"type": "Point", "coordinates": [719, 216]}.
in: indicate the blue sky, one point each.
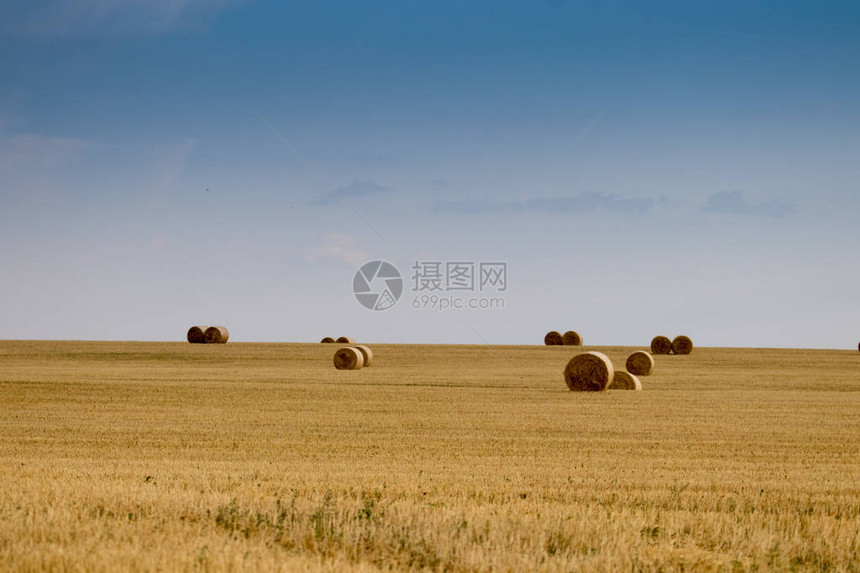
{"type": "Point", "coordinates": [642, 169]}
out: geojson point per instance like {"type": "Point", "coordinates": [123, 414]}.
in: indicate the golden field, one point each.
{"type": "Point", "coordinates": [170, 456]}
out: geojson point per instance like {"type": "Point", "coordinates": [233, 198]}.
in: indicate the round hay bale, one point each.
{"type": "Point", "coordinates": [216, 335]}
{"type": "Point", "coordinates": [345, 340]}
{"type": "Point", "coordinates": [571, 338]}
{"type": "Point", "coordinates": [661, 345]}
{"type": "Point", "coordinates": [366, 353]}
{"type": "Point", "coordinates": [625, 381]}
{"type": "Point", "coordinates": [589, 372]}
{"type": "Point", "coordinates": [553, 338]}
{"type": "Point", "coordinates": [195, 335]}
{"type": "Point", "coordinates": [682, 345]}
{"type": "Point", "coordinates": [640, 363]}
{"type": "Point", "coordinates": [327, 340]}
{"type": "Point", "coordinates": [348, 358]}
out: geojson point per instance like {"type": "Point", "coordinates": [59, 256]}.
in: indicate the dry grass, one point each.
{"type": "Point", "coordinates": [160, 456]}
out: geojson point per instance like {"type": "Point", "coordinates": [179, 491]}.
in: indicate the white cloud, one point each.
{"type": "Point", "coordinates": [585, 202]}
{"type": "Point", "coordinates": [358, 189]}
{"type": "Point", "coordinates": [341, 247]}
{"type": "Point", "coordinates": [733, 202]}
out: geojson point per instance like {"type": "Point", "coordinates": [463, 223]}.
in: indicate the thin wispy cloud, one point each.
{"type": "Point", "coordinates": [339, 246]}
{"type": "Point", "coordinates": [468, 206]}
{"type": "Point", "coordinates": [588, 202]}
{"type": "Point", "coordinates": [356, 190]}
{"type": "Point", "coordinates": [585, 202]}
{"type": "Point", "coordinates": [733, 202]}
{"type": "Point", "coordinates": [173, 165]}
{"type": "Point", "coordinates": [75, 17]}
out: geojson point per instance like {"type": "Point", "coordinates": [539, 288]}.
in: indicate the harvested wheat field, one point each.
{"type": "Point", "coordinates": [171, 456]}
